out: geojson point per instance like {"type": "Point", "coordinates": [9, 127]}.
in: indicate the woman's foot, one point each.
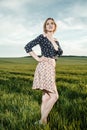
{"type": "Point", "coordinates": [39, 122]}
{"type": "Point", "coordinates": [43, 121]}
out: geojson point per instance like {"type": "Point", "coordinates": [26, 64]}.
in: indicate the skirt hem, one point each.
{"type": "Point", "coordinates": [44, 89]}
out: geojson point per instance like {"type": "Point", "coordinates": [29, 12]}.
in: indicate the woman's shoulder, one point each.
{"type": "Point", "coordinates": [39, 37]}
{"type": "Point", "coordinates": [43, 35]}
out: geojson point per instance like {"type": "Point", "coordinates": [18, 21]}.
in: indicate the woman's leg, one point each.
{"type": "Point", "coordinates": [45, 98]}
{"type": "Point", "coordinates": [48, 100]}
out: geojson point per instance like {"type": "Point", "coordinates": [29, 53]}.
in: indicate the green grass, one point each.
{"type": "Point", "coordinates": [20, 105]}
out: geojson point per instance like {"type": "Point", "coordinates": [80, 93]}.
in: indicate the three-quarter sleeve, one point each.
{"type": "Point", "coordinates": [31, 44]}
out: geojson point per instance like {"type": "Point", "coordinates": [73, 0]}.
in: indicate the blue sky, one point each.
{"type": "Point", "coordinates": [22, 21]}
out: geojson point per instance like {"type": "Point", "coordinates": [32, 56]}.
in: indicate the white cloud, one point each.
{"type": "Point", "coordinates": [21, 21]}
{"type": "Point", "coordinates": [13, 4]}
{"type": "Point", "coordinates": [75, 46]}
{"type": "Point", "coordinates": [80, 9]}
{"type": "Point", "coordinates": [16, 30]}
{"type": "Point", "coordinates": [72, 23]}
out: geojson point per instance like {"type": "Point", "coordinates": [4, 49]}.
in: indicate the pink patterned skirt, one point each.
{"type": "Point", "coordinates": [44, 77]}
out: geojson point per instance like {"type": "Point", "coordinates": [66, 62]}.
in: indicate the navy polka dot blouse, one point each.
{"type": "Point", "coordinates": [47, 49]}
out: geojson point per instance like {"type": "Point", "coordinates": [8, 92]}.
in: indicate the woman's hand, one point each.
{"type": "Point", "coordinates": [42, 59]}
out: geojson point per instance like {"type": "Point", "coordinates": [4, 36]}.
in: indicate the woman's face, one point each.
{"type": "Point", "coordinates": [50, 26]}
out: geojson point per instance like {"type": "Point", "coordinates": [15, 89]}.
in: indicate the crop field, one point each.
{"type": "Point", "coordinates": [20, 105]}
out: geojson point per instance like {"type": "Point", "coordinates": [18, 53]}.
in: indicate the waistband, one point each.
{"type": "Point", "coordinates": [50, 60]}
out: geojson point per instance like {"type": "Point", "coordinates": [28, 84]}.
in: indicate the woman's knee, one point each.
{"type": "Point", "coordinates": [45, 97]}
{"type": "Point", "coordinates": [55, 96]}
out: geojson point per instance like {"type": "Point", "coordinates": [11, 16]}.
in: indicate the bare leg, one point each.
{"type": "Point", "coordinates": [48, 100]}
{"type": "Point", "coordinates": [45, 99]}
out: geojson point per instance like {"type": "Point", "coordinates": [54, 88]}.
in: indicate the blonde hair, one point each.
{"type": "Point", "coordinates": [44, 26]}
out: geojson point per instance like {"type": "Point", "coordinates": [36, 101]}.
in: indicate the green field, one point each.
{"type": "Point", "coordinates": [20, 105]}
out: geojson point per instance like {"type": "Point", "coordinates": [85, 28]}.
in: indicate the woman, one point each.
{"type": "Point", "coordinates": [44, 77]}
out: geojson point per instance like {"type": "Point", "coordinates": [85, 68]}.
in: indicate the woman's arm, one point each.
{"type": "Point", "coordinates": [31, 44]}
{"type": "Point", "coordinates": [39, 59]}
{"type": "Point", "coordinates": [32, 53]}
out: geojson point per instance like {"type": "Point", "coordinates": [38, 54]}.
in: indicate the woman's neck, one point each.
{"type": "Point", "coordinates": [49, 34]}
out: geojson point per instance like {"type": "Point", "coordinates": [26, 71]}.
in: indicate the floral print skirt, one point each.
{"type": "Point", "coordinates": [44, 77]}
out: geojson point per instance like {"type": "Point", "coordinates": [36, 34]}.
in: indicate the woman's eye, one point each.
{"type": "Point", "coordinates": [47, 24]}
{"type": "Point", "coordinates": [52, 23]}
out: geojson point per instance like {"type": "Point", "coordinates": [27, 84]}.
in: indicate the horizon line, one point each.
{"type": "Point", "coordinates": [40, 55]}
